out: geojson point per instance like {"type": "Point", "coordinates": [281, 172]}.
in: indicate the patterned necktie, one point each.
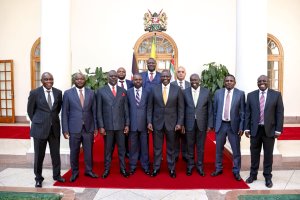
{"type": "Point", "coordinates": [165, 98]}
{"type": "Point", "coordinates": [261, 107]}
{"type": "Point", "coordinates": [81, 97]}
{"type": "Point", "coordinates": [151, 76]}
{"type": "Point", "coordinates": [122, 83]}
{"type": "Point", "coordinates": [114, 91]}
{"type": "Point", "coordinates": [180, 84]}
{"type": "Point", "coordinates": [227, 104]}
{"type": "Point", "coordinates": [49, 100]}
{"type": "Point", "coordinates": [137, 98]}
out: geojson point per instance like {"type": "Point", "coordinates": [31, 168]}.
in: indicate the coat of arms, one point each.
{"type": "Point", "coordinates": [155, 22]}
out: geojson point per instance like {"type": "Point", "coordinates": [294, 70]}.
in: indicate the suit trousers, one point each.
{"type": "Point", "coordinates": [138, 148]}
{"type": "Point", "coordinates": [87, 140]}
{"type": "Point", "coordinates": [39, 155]}
{"type": "Point", "coordinates": [198, 138]}
{"type": "Point", "coordinates": [109, 138]}
{"type": "Point", "coordinates": [256, 143]}
{"type": "Point", "coordinates": [180, 145]}
{"type": "Point", "coordinates": [158, 140]}
{"type": "Point", "coordinates": [234, 140]}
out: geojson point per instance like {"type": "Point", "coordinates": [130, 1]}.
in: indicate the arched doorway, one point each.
{"type": "Point", "coordinates": [35, 64]}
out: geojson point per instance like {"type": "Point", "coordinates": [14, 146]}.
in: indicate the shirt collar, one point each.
{"type": "Point", "coordinates": [45, 89]}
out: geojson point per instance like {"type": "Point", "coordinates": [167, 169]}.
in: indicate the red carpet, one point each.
{"type": "Point", "coordinates": [141, 181]}
{"type": "Point", "coordinates": [290, 133]}
{"type": "Point", "coordinates": [15, 132]}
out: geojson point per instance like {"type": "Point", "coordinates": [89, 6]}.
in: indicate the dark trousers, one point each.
{"type": "Point", "coordinates": [158, 140]}
{"type": "Point", "coordinates": [234, 140]}
{"type": "Point", "coordinates": [87, 140]}
{"type": "Point", "coordinates": [138, 148]}
{"type": "Point", "coordinates": [256, 143]}
{"type": "Point", "coordinates": [195, 137]}
{"type": "Point", "coordinates": [180, 145]}
{"type": "Point", "coordinates": [109, 138]}
{"type": "Point", "coordinates": [39, 155]}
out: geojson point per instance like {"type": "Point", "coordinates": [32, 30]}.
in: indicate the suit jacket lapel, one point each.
{"type": "Point", "coordinates": [75, 96]}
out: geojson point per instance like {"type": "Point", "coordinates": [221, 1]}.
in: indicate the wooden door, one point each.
{"type": "Point", "coordinates": [7, 106]}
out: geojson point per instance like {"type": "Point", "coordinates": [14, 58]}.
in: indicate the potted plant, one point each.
{"type": "Point", "coordinates": [96, 79]}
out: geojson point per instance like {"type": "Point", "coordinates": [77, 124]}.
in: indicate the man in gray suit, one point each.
{"type": "Point", "coordinates": [198, 120]}
{"type": "Point", "coordinates": [113, 121]}
{"type": "Point", "coordinates": [229, 118]}
{"type": "Point", "coordinates": [79, 124]}
{"type": "Point", "coordinates": [264, 123]}
{"type": "Point", "coordinates": [165, 116]}
{"type": "Point", "coordinates": [180, 141]}
{"type": "Point", "coordinates": [44, 104]}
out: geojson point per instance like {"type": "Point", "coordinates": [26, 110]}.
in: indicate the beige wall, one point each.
{"type": "Point", "coordinates": [204, 31]}
{"type": "Point", "coordinates": [20, 27]}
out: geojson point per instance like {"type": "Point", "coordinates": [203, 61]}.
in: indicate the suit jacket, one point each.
{"type": "Point", "coordinates": [170, 114]}
{"type": "Point", "coordinates": [112, 112]}
{"type": "Point", "coordinates": [187, 84]}
{"type": "Point", "coordinates": [138, 114]}
{"type": "Point", "coordinates": [74, 115]}
{"type": "Point", "coordinates": [237, 109]}
{"type": "Point", "coordinates": [203, 110]}
{"type": "Point", "coordinates": [40, 114]}
{"type": "Point", "coordinates": [146, 81]}
{"type": "Point", "coordinates": [273, 113]}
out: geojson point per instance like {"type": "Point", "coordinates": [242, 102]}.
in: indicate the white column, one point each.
{"type": "Point", "coordinates": [56, 48]}
{"type": "Point", "coordinates": [251, 49]}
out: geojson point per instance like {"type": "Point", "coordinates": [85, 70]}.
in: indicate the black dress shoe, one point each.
{"type": "Point", "coordinates": [237, 176]}
{"type": "Point", "coordinates": [269, 183]}
{"type": "Point", "coordinates": [132, 171]}
{"type": "Point", "coordinates": [147, 171]}
{"type": "Point", "coordinates": [172, 173]}
{"type": "Point", "coordinates": [201, 172]}
{"type": "Point", "coordinates": [155, 173]}
{"type": "Point", "coordinates": [74, 177]}
{"type": "Point", "coordinates": [91, 174]}
{"type": "Point", "coordinates": [251, 179]}
{"type": "Point", "coordinates": [124, 173]}
{"type": "Point", "coordinates": [188, 172]}
{"type": "Point", "coordinates": [38, 184]}
{"type": "Point", "coordinates": [105, 174]}
{"type": "Point", "coordinates": [60, 179]}
{"type": "Point", "coordinates": [216, 173]}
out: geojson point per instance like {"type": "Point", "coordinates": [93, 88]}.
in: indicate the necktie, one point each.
{"type": "Point", "coordinates": [151, 76]}
{"type": "Point", "coordinates": [227, 104]}
{"type": "Point", "coordinates": [122, 84]}
{"type": "Point", "coordinates": [81, 98]}
{"type": "Point", "coordinates": [261, 107]}
{"type": "Point", "coordinates": [195, 97]}
{"type": "Point", "coordinates": [180, 84]}
{"type": "Point", "coordinates": [49, 99]}
{"type": "Point", "coordinates": [165, 98]}
{"type": "Point", "coordinates": [114, 91]}
{"type": "Point", "coordinates": [137, 98]}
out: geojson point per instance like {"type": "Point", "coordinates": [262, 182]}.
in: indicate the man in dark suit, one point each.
{"type": "Point", "coordinates": [113, 120]}
{"type": "Point", "coordinates": [180, 141]}
{"type": "Point", "coordinates": [44, 104]}
{"type": "Point", "coordinates": [229, 119]}
{"type": "Point", "coordinates": [264, 123]}
{"type": "Point", "coordinates": [165, 116]}
{"type": "Point", "coordinates": [198, 120]}
{"type": "Point", "coordinates": [79, 124]}
{"type": "Point", "coordinates": [138, 135]}
{"type": "Point", "coordinates": [151, 77]}
{"type": "Point", "coordinates": [126, 84]}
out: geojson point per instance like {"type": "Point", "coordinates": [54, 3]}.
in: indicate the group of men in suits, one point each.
{"type": "Point", "coordinates": [182, 112]}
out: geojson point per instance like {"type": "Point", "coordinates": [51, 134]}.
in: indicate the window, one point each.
{"type": "Point", "coordinates": [275, 63]}
{"type": "Point", "coordinates": [36, 64]}
{"type": "Point", "coordinates": [165, 49]}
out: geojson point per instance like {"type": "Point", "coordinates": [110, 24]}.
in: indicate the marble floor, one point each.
{"type": "Point", "coordinates": [22, 176]}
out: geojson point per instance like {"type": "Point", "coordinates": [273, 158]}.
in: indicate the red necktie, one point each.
{"type": "Point", "coordinates": [81, 98]}
{"type": "Point", "coordinates": [122, 84]}
{"type": "Point", "coordinates": [151, 76]}
{"type": "Point", "coordinates": [114, 91]}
